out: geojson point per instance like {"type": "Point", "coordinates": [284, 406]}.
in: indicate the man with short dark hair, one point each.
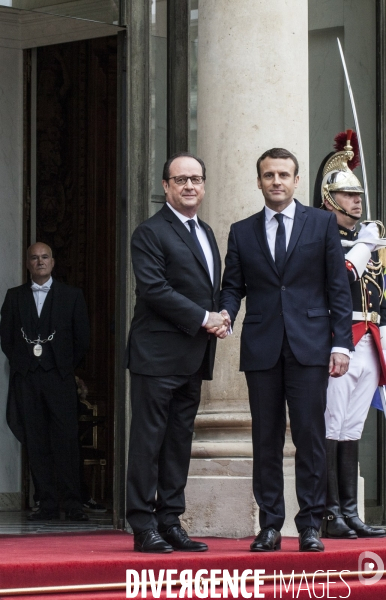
{"type": "Point", "coordinates": [286, 261]}
{"type": "Point", "coordinates": [171, 350]}
{"type": "Point", "coordinates": [44, 333]}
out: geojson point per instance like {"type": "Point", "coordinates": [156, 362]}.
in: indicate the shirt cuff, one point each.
{"type": "Point", "coordinates": [205, 319]}
{"type": "Point", "coordinates": [345, 351]}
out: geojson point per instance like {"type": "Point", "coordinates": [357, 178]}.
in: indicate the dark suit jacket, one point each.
{"type": "Point", "coordinates": [311, 301]}
{"type": "Point", "coordinates": [68, 318]}
{"type": "Point", "coordinates": [173, 290]}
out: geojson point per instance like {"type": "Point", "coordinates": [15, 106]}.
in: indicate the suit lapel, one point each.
{"type": "Point", "coordinates": [27, 306]}
{"type": "Point", "coordinates": [184, 234]}
{"type": "Point", "coordinates": [215, 253]}
{"type": "Point", "coordinates": [55, 311]}
{"type": "Point", "coordinates": [299, 221]}
{"type": "Point", "coordinates": [261, 235]}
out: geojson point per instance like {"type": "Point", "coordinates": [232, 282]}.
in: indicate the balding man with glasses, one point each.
{"type": "Point", "coordinates": [171, 349]}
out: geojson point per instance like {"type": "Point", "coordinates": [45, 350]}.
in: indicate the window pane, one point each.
{"type": "Point", "coordinates": [158, 100]}
{"type": "Point", "coordinates": [104, 11]}
{"type": "Point", "coordinates": [193, 34]}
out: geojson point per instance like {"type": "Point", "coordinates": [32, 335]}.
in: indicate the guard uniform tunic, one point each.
{"type": "Point", "coordinates": [349, 397]}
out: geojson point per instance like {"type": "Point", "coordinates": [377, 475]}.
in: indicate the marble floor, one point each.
{"type": "Point", "coordinates": [16, 523]}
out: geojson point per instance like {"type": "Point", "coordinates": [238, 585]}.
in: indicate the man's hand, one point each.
{"type": "Point", "coordinates": [218, 323]}
{"type": "Point", "coordinates": [222, 332]}
{"type": "Point", "coordinates": [214, 322]}
{"type": "Point", "coordinates": [369, 232]}
{"type": "Point", "coordinates": [339, 364]}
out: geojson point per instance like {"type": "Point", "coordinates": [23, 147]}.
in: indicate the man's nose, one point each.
{"type": "Point", "coordinates": [276, 179]}
{"type": "Point", "coordinates": [189, 184]}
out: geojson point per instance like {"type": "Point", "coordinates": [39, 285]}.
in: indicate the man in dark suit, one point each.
{"type": "Point", "coordinates": [287, 261]}
{"type": "Point", "coordinates": [171, 350]}
{"type": "Point", "coordinates": [44, 333]}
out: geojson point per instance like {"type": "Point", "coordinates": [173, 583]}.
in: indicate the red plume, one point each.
{"type": "Point", "coordinates": [340, 143]}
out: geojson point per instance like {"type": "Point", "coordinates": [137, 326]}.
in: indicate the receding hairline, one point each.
{"type": "Point", "coordinates": [189, 157]}
{"type": "Point", "coordinates": [39, 244]}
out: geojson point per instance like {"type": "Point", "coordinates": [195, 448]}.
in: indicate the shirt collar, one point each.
{"type": "Point", "coordinates": [47, 283]}
{"type": "Point", "coordinates": [182, 218]}
{"type": "Point", "coordinates": [289, 211]}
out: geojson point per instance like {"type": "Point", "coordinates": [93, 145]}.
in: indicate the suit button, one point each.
{"type": "Point", "coordinates": [283, 288]}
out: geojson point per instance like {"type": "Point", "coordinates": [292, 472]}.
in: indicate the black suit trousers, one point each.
{"type": "Point", "coordinates": [304, 388]}
{"type": "Point", "coordinates": [48, 407]}
{"type": "Point", "coordinates": [163, 413]}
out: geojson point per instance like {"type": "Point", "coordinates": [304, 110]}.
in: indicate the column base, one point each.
{"type": "Point", "coordinates": [220, 501]}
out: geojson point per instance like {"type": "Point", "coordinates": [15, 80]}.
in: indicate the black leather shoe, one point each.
{"type": "Point", "coordinates": [177, 537]}
{"type": "Point", "coordinates": [309, 540]}
{"type": "Point", "coordinates": [76, 514]}
{"type": "Point", "coordinates": [151, 541]}
{"type": "Point", "coordinates": [335, 527]}
{"type": "Point", "coordinates": [43, 515]}
{"type": "Point", "coordinates": [267, 540]}
{"type": "Point", "coordinates": [363, 530]}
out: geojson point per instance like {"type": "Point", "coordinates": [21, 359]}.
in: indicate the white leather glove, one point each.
{"type": "Point", "coordinates": [367, 233]}
{"type": "Point", "coordinates": [359, 256]}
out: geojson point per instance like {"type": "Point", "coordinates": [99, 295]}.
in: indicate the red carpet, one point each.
{"type": "Point", "coordinates": [68, 559]}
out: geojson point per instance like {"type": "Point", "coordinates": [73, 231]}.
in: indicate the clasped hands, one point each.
{"type": "Point", "coordinates": [218, 323]}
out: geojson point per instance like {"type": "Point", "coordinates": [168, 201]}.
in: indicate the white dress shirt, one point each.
{"type": "Point", "coordinates": [203, 239]}
{"type": "Point", "coordinates": [271, 225]}
{"type": "Point", "coordinates": [40, 293]}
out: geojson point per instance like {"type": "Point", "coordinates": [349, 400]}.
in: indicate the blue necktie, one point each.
{"type": "Point", "coordinates": [280, 246]}
{"type": "Point", "coordinates": [192, 226]}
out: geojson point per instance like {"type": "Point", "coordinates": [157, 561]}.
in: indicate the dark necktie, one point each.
{"type": "Point", "coordinates": [192, 226]}
{"type": "Point", "coordinates": [280, 247]}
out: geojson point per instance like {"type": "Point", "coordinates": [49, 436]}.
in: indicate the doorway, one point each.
{"type": "Point", "coordinates": [74, 119]}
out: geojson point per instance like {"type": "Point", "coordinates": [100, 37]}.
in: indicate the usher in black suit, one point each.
{"type": "Point", "coordinates": [286, 342]}
{"type": "Point", "coordinates": [169, 355]}
{"type": "Point", "coordinates": [42, 398]}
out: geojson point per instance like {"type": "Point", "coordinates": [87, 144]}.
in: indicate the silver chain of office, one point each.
{"type": "Point", "coordinates": [37, 349]}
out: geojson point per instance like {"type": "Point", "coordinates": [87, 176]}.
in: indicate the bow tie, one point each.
{"type": "Point", "coordinates": [40, 288]}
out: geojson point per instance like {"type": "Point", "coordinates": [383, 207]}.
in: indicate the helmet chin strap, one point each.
{"type": "Point", "coordinates": [335, 205]}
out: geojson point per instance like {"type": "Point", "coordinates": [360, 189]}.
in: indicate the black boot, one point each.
{"type": "Point", "coordinates": [334, 525]}
{"type": "Point", "coordinates": [348, 490]}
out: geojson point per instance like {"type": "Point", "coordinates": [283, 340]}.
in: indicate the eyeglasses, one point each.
{"type": "Point", "coordinates": [182, 179]}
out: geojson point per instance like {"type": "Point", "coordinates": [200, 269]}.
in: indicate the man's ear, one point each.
{"type": "Point", "coordinates": [327, 205]}
{"type": "Point", "coordinates": [259, 183]}
{"type": "Point", "coordinates": [165, 185]}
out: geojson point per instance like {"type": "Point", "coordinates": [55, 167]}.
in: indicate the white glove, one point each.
{"type": "Point", "coordinates": [368, 233]}
{"type": "Point", "coordinates": [359, 256]}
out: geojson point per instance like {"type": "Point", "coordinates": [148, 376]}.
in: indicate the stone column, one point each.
{"type": "Point", "coordinates": [11, 243]}
{"type": "Point", "coordinates": [252, 95]}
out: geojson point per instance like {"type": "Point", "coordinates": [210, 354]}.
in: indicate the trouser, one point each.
{"type": "Point", "coordinates": [349, 397]}
{"type": "Point", "coordinates": [48, 406]}
{"type": "Point", "coordinates": [304, 388]}
{"type": "Point", "coordinates": [161, 433]}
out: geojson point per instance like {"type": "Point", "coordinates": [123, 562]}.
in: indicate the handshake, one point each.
{"type": "Point", "coordinates": [219, 324]}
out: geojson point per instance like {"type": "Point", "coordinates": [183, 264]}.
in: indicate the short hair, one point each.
{"type": "Point", "coordinates": [166, 169]}
{"type": "Point", "coordinates": [277, 153]}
